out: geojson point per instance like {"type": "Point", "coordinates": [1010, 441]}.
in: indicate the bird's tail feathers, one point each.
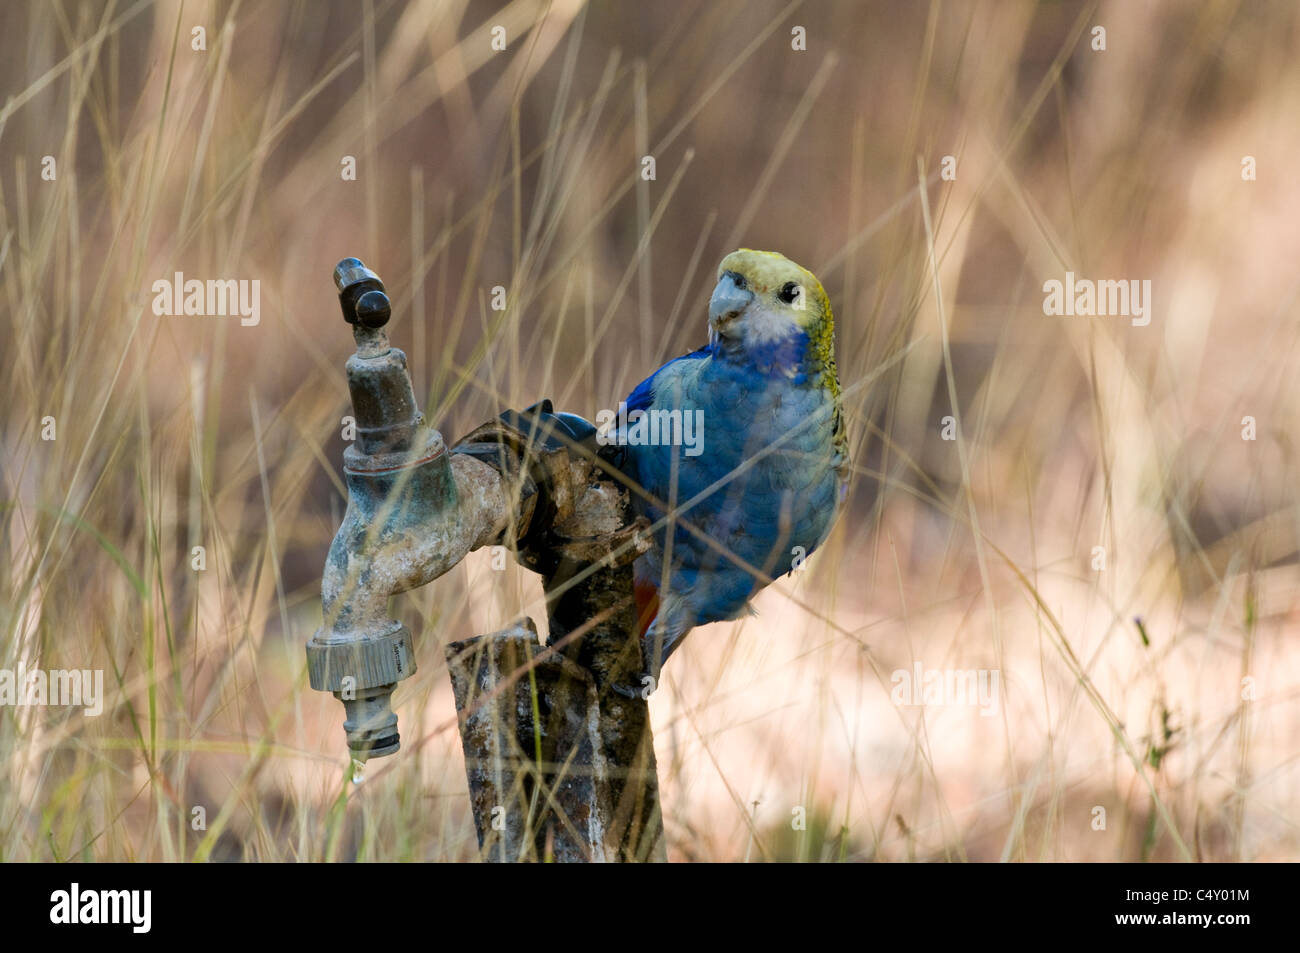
{"type": "Point", "coordinates": [647, 605]}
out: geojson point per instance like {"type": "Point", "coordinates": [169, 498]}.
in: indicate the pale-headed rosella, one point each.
{"type": "Point", "coordinates": [758, 489]}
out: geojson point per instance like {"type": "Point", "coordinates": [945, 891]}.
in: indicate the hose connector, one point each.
{"type": "Point", "coordinates": [362, 674]}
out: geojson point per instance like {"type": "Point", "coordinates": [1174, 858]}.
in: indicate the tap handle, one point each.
{"type": "Point", "coordinates": [361, 294]}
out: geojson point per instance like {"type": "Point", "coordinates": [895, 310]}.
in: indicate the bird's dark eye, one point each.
{"type": "Point", "coordinates": [789, 291]}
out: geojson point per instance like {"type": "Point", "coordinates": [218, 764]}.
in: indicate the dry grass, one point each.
{"type": "Point", "coordinates": [520, 168]}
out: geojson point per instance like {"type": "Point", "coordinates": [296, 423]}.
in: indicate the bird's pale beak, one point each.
{"type": "Point", "coordinates": [729, 299]}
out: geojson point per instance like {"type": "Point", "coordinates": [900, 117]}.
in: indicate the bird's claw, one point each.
{"type": "Point", "coordinates": [627, 691]}
{"type": "Point", "coordinates": [644, 686]}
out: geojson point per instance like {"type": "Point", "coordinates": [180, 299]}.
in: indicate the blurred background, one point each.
{"type": "Point", "coordinates": [1101, 533]}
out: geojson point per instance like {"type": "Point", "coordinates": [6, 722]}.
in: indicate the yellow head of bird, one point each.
{"type": "Point", "coordinates": [763, 297]}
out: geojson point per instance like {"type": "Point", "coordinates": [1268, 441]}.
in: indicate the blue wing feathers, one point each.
{"type": "Point", "coordinates": [643, 394]}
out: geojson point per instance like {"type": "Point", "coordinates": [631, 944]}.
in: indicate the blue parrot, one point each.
{"type": "Point", "coordinates": [737, 451]}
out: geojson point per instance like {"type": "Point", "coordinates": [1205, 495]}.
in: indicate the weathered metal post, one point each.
{"type": "Point", "coordinates": [588, 581]}
{"type": "Point", "coordinates": [544, 735]}
{"type": "Point", "coordinates": [559, 766]}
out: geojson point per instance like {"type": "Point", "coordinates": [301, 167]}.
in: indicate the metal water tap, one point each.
{"type": "Point", "coordinates": [414, 511]}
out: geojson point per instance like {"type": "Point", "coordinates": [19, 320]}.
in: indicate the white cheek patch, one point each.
{"type": "Point", "coordinates": [763, 325]}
